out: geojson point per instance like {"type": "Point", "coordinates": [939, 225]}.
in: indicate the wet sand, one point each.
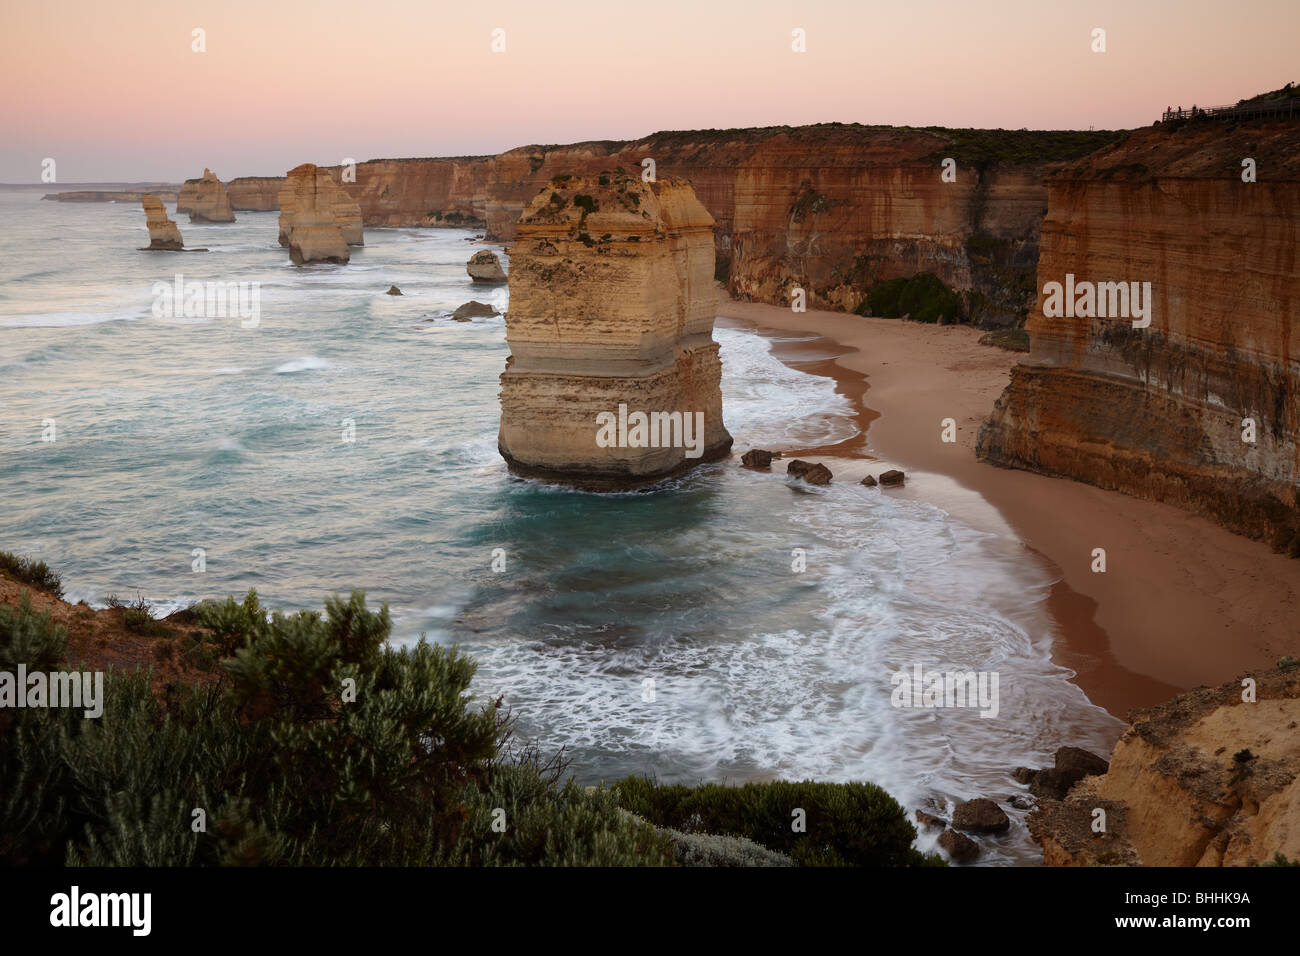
{"type": "Point", "coordinates": [1182, 603]}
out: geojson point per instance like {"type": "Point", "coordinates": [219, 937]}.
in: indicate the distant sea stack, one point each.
{"type": "Point", "coordinates": [342, 207]}
{"type": "Point", "coordinates": [205, 200]}
{"type": "Point", "coordinates": [163, 234]}
{"type": "Point", "coordinates": [1200, 408]}
{"type": "Point", "coordinates": [308, 223]}
{"type": "Point", "coordinates": [613, 378]}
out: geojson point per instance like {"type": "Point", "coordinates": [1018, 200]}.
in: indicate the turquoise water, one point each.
{"type": "Point", "coordinates": [197, 433]}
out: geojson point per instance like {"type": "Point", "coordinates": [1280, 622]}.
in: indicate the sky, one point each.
{"type": "Point", "coordinates": [118, 91]}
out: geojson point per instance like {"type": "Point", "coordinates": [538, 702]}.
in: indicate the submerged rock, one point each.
{"type": "Point", "coordinates": [485, 267]}
{"type": "Point", "coordinates": [473, 309]}
{"type": "Point", "coordinates": [869, 481]}
{"type": "Point", "coordinates": [960, 847]}
{"type": "Point", "coordinates": [757, 458]}
{"type": "Point", "coordinates": [393, 290]}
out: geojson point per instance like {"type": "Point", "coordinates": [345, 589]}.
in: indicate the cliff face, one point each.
{"type": "Point", "coordinates": [614, 378]}
{"type": "Point", "coordinates": [205, 200]}
{"type": "Point", "coordinates": [1166, 411]}
{"type": "Point", "coordinates": [163, 233]}
{"type": "Point", "coordinates": [255, 193]}
{"type": "Point", "coordinates": [308, 224]}
{"type": "Point", "coordinates": [1206, 779]}
{"type": "Point", "coordinates": [830, 209]}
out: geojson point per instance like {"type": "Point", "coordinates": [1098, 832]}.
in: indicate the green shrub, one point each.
{"type": "Point", "coordinates": [923, 297]}
{"type": "Point", "coordinates": [28, 571]}
{"type": "Point", "coordinates": [711, 849]}
{"type": "Point", "coordinates": [586, 203]}
{"type": "Point", "coordinates": [847, 824]}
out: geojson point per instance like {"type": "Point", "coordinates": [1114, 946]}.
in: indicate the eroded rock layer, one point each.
{"type": "Point", "coordinates": [344, 209]}
{"type": "Point", "coordinates": [205, 199]}
{"type": "Point", "coordinates": [1201, 409]}
{"type": "Point", "coordinates": [1205, 779]}
{"type": "Point", "coordinates": [255, 193]}
{"type": "Point", "coordinates": [163, 233]}
{"type": "Point", "coordinates": [830, 209]}
{"type": "Point", "coordinates": [309, 225]}
{"type": "Point", "coordinates": [611, 317]}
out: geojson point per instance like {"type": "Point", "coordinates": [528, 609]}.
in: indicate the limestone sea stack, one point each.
{"type": "Point", "coordinates": [613, 378]}
{"type": "Point", "coordinates": [308, 224]}
{"type": "Point", "coordinates": [205, 200]}
{"type": "Point", "coordinates": [346, 211]}
{"type": "Point", "coordinates": [485, 267]}
{"type": "Point", "coordinates": [163, 233]}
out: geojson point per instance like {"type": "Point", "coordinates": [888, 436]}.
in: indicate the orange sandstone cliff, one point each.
{"type": "Point", "coordinates": [1200, 409]}
{"type": "Point", "coordinates": [205, 199]}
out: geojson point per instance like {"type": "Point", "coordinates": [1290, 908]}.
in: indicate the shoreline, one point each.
{"type": "Point", "coordinates": [1183, 602]}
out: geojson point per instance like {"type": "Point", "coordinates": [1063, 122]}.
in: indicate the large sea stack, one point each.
{"type": "Point", "coordinates": [163, 234]}
{"type": "Point", "coordinates": [205, 200]}
{"type": "Point", "coordinates": [1197, 402]}
{"type": "Point", "coordinates": [344, 209]}
{"type": "Point", "coordinates": [308, 223]}
{"type": "Point", "coordinates": [614, 377]}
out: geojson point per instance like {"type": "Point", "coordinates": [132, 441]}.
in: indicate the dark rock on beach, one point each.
{"type": "Point", "coordinates": [757, 458]}
{"type": "Point", "coordinates": [892, 477]}
{"type": "Point", "coordinates": [980, 815]}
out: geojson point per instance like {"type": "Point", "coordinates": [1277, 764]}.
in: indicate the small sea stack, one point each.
{"type": "Point", "coordinates": [308, 223]}
{"type": "Point", "coordinates": [484, 267]}
{"type": "Point", "coordinates": [205, 199]}
{"type": "Point", "coordinates": [614, 377]}
{"type": "Point", "coordinates": [163, 234]}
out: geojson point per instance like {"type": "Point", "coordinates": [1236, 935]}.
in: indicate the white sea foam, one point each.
{"type": "Point", "coordinates": [308, 363]}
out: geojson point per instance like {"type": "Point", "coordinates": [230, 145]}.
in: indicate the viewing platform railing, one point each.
{"type": "Point", "coordinates": [1288, 108]}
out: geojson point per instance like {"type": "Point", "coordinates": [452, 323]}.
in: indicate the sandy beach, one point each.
{"type": "Point", "coordinates": [1182, 603]}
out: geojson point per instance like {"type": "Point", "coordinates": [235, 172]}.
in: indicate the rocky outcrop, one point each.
{"type": "Point", "coordinates": [255, 193]}
{"type": "Point", "coordinates": [473, 309]}
{"type": "Point", "coordinates": [485, 267]}
{"type": "Point", "coordinates": [308, 223]}
{"type": "Point", "coordinates": [333, 199]}
{"type": "Point", "coordinates": [1210, 778]}
{"type": "Point", "coordinates": [205, 199]}
{"type": "Point", "coordinates": [163, 233]}
{"type": "Point", "coordinates": [614, 377]}
{"type": "Point", "coordinates": [167, 194]}
{"type": "Point", "coordinates": [1199, 407]}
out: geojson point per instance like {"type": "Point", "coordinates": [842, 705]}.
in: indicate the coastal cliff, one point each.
{"type": "Point", "coordinates": [1205, 779]}
{"type": "Point", "coordinates": [1201, 408]}
{"type": "Point", "coordinates": [614, 377]}
{"type": "Point", "coordinates": [255, 193]}
{"type": "Point", "coordinates": [831, 209]}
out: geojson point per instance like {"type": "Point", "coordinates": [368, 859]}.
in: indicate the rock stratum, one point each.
{"type": "Point", "coordinates": [1205, 779]}
{"type": "Point", "coordinates": [327, 194]}
{"type": "Point", "coordinates": [163, 233]}
{"type": "Point", "coordinates": [310, 224]}
{"type": "Point", "coordinates": [831, 209]}
{"type": "Point", "coordinates": [205, 199]}
{"type": "Point", "coordinates": [1165, 412]}
{"type": "Point", "coordinates": [611, 317]}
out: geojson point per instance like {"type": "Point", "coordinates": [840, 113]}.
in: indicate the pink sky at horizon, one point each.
{"type": "Point", "coordinates": [114, 92]}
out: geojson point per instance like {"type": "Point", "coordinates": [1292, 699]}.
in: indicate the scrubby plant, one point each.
{"type": "Point", "coordinates": [923, 297]}
{"type": "Point", "coordinates": [845, 824]}
{"type": "Point", "coordinates": [29, 571]}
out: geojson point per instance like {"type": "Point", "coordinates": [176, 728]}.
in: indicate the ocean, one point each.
{"type": "Point", "coordinates": [348, 440]}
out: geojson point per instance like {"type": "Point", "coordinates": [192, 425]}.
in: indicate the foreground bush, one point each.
{"type": "Point", "coordinates": [35, 573]}
{"type": "Point", "coordinates": [321, 745]}
{"type": "Point", "coordinates": [846, 824]}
